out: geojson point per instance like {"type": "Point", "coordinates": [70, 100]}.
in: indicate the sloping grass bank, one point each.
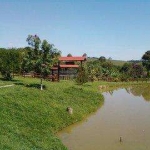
{"type": "Point", "coordinates": [29, 118]}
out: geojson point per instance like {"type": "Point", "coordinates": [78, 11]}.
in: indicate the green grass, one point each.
{"type": "Point", "coordinates": [29, 118]}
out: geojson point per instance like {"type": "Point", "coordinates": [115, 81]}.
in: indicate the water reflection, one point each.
{"type": "Point", "coordinates": [140, 90]}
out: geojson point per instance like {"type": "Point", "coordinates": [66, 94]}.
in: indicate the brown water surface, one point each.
{"type": "Point", "coordinates": [125, 114]}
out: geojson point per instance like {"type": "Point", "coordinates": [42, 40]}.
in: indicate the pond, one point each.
{"type": "Point", "coordinates": [125, 114]}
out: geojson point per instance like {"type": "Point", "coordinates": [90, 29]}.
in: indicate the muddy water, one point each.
{"type": "Point", "coordinates": [125, 114]}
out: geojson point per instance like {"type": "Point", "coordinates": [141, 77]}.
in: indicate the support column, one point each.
{"type": "Point", "coordinates": [58, 70]}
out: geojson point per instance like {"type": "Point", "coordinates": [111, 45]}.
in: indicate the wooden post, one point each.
{"type": "Point", "coordinates": [58, 70]}
{"type": "Point", "coordinates": [120, 139]}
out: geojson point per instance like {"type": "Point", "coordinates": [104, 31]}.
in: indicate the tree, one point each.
{"type": "Point", "coordinates": [137, 70]}
{"type": "Point", "coordinates": [102, 59]}
{"type": "Point", "coordinates": [126, 68]}
{"type": "Point", "coordinates": [81, 76]}
{"type": "Point", "coordinates": [146, 61]}
{"type": "Point", "coordinates": [84, 55]}
{"type": "Point", "coordinates": [41, 57]}
{"type": "Point", "coordinates": [69, 55]}
{"type": "Point", "coordinates": [9, 62]}
{"type": "Point", "coordinates": [35, 42]}
{"type": "Point", "coordinates": [94, 70]}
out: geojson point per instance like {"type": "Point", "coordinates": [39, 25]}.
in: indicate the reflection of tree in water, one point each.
{"type": "Point", "coordinates": [136, 90]}
{"type": "Point", "coordinates": [111, 92]}
{"type": "Point", "coordinates": [141, 91]}
{"type": "Point", "coordinates": [128, 90]}
{"type": "Point", "coordinates": [146, 94]}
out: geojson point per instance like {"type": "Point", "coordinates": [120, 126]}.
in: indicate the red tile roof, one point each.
{"type": "Point", "coordinates": [72, 58]}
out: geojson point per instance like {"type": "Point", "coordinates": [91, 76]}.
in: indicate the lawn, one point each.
{"type": "Point", "coordinates": [29, 118]}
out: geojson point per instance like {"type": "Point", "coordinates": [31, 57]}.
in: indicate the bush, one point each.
{"type": "Point", "coordinates": [6, 75]}
{"type": "Point", "coordinates": [82, 76]}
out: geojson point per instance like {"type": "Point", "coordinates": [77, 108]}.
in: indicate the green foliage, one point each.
{"type": "Point", "coordinates": [6, 75]}
{"type": "Point", "coordinates": [94, 71]}
{"type": "Point", "coordinates": [146, 61]}
{"type": "Point", "coordinates": [35, 42]}
{"type": "Point", "coordinates": [106, 70]}
{"type": "Point", "coordinates": [101, 70]}
{"type": "Point", "coordinates": [126, 68]}
{"type": "Point", "coordinates": [137, 70]}
{"type": "Point", "coordinates": [81, 76]}
{"type": "Point", "coordinates": [102, 59]}
{"type": "Point", "coordinates": [41, 56]}
{"type": "Point", "coordinates": [9, 62]}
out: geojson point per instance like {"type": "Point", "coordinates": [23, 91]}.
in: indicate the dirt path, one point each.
{"type": "Point", "coordinates": [6, 86]}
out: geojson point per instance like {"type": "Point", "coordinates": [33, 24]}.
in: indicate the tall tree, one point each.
{"type": "Point", "coordinates": [35, 42]}
{"type": "Point", "coordinates": [41, 57]}
{"type": "Point", "coordinates": [146, 61]}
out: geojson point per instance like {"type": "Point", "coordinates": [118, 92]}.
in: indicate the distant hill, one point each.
{"type": "Point", "coordinates": [92, 58]}
{"type": "Point", "coordinates": [118, 62]}
{"type": "Point", "coordinates": [135, 61]}
{"type": "Point", "coordinates": [115, 62]}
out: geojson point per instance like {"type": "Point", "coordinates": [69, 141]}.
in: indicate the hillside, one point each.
{"type": "Point", "coordinates": [30, 117]}
{"type": "Point", "coordinates": [115, 62]}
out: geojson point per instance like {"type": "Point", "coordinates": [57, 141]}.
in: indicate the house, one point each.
{"type": "Point", "coordinates": [66, 67]}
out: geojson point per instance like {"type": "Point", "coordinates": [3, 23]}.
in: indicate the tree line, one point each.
{"type": "Point", "coordinates": [39, 56]}
{"type": "Point", "coordinates": [104, 69]}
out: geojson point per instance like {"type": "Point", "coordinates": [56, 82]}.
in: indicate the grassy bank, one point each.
{"type": "Point", "coordinates": [29, 118]}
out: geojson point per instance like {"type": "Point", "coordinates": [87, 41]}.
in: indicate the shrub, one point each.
{"type": "Point", "coordinates": [82, 76]}
{"type": "Point", "coordinates": [6, 75]}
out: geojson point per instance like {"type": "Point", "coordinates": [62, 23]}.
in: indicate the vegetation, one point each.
{"type": "Point", "coordinates": [102, 69]}
{"type": "Point", "coordinates": [30, 119]}
{"type": "Point", "coordinates": [146, 61]}
{"type": "Point", "coordinates": [10, 60]}
{"type": "Point", "coordinates": [81, 76]}
{"type": "Point", "coordinates": [40, 58]}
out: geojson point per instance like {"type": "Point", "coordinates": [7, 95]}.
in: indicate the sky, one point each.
{"type": "Point", "coordinates": [110, 28]}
